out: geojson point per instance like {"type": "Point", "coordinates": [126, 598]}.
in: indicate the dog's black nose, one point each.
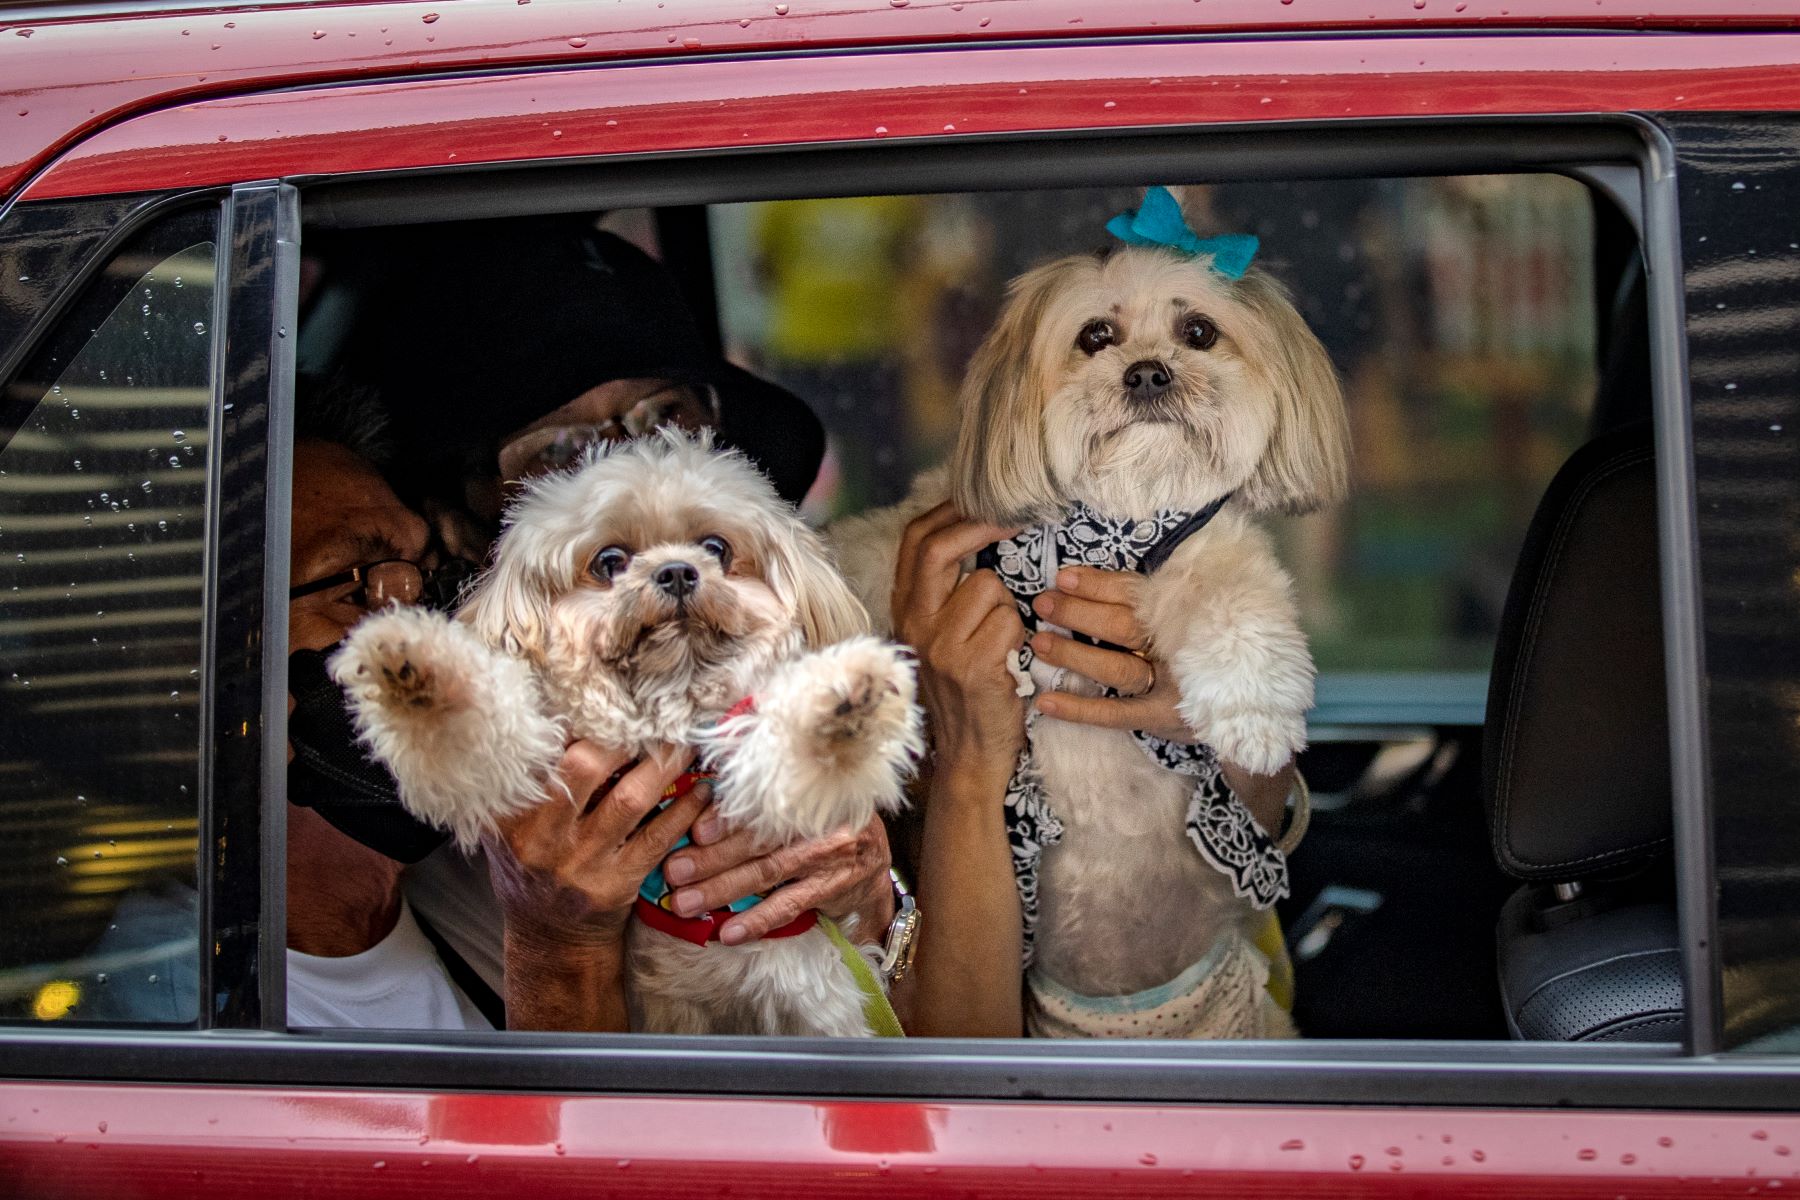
{"type": "Point", "coordinates": [1146, 380]}
{"type": "Point", "coordinates": [677, 579]}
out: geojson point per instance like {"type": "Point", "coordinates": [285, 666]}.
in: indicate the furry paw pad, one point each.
{"type": "Point", "coordinates": [865, 698]}
{"type": "Point", "coordinates": [397, 661]}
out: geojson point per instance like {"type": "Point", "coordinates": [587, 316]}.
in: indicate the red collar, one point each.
{"type": "Point", "coordinates": [705, 927]}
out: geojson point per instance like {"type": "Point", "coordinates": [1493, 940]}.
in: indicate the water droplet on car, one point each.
{"type": "Point", "coordinates": [1293, 1144]}
{"type": "Point", "coordinates": [199, 326]}
{"type": "Point", "coordinates": [174, 462]}
{"type": "Point", "coordinates": [145, 486]}
{"type": "Point", "coordinates": [743, 22]}
{"type": "Point", "coordinates": [984, 22]}
{"type": "Point", "coordinates": [100, 978]}
{"type": "Point", "coordinates": [78, 464]}
{"type": "Point", "coordinates": [162, 526]}
{"type": "Point", "coordinates": [429, 18]}
{"type": "Point", "coordinates": [24, 33]}
{"type": "Point", "coordinates": [578, 43]}
{"type": "Point", "coordinates": [317, 34]}
{"type": "Point", "coordinates": [781, 10]}
{"type": "Point", "coordinates": [1738, 186]}
{"type": "Point", "coordinates": [1418, 3]}
{"type": "Point", "coordinates": [881, 131]}
{"type": "Point", "coordinates": [1478, 1155]}
{"type": "Point", "coordinates": [898, 3]}
{"type": "Point", "coordinates": [1586, 1155]}
{"type": "Point", "coordinates": [1356, 1160]}
{"type": "Point", "coordinates": [690, 43]}
{"type": "Point", "coordinates": [380, 1164]}
{"type": "Point", "coordinates": [61, 861]}
{"type": "Point", "coordinates": [178, 435]}
{"type": "Point", "coordinates": [1627, 1159]}
{"type": "Point", "coordinates": [1148, 1159]}
{"type": "Point", "coordinates": [556, 133]}
{"type": "Point", "coordinates": [949, 129]}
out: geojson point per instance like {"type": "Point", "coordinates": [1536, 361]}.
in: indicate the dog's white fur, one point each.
{"type": "Point", "coordinates": [1125, 902]}
{"type": "Point", "coordinates": [472, 714]}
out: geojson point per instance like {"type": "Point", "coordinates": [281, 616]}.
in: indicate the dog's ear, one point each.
{"type": "Point", "coordinates": [798, 566]}
{"type": "Point", "coordinates": [508, 609]}
{"type": "Point", "coordinates": [999, 470]}
{"type": "Point", "coordinates": [1307, 464]}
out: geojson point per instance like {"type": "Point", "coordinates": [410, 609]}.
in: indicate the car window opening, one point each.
{"type": "Point", "coordinates": [1487, 762]}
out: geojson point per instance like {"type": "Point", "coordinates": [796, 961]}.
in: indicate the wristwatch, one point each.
{"type": "Point", "coordinates": [902, 935]}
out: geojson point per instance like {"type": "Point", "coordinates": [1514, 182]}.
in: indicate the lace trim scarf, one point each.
{"type": "Point", "coordinates": [1218, 824]}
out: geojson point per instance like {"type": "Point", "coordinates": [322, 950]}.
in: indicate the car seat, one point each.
{"type": "Point", "coordinates": [1576, 771]}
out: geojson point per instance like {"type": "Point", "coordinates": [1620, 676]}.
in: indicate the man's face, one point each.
{"type": "Point", "coordinates": [345, 516]}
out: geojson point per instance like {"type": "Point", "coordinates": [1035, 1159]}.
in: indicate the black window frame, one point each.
{"type": "Point", "coordinates": [1629, 157]}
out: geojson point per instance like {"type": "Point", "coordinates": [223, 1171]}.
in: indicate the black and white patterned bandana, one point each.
{"type": "Point", "coordinates": [1218, 824]}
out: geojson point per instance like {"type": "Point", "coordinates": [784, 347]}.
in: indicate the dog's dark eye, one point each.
{"type": "Point", "coordinates": [1096, 336]}
{"type": "Point", "coordinates": [719, 548]}
{"type": "Point", "coordinates": [1199, 332]}
{"type": "Point", "coordinates": [608, 562]}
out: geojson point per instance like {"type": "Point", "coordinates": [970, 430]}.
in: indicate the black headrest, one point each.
{"type": "Point", "coordinates": [1576, 755]}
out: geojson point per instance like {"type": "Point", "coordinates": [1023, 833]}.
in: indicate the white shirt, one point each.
{"type": "Point", "coordinates": [398, 983]}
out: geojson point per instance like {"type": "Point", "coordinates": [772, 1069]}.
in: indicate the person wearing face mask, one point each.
{"type": "Point", "coordinates": [358, 955]}
{"type": "Point", "coordinates": [579, 337]}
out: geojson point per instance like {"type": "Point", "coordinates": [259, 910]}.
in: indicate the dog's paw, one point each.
{"type": "Point", "coordinates": [1259, 742]}
{"type": "Point", "coordinates": [401, 661]}
{"type": "Point", "coordinates": [865, 699]}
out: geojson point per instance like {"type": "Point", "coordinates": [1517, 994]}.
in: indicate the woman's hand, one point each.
{"type": "Point", "coordinates": [566, 872]}
{"type": "Point", "coordinates": [842, 874]}
{"type": "Point", "coordinates": [963, 630]}
{"type": "Point", "coordinates": [965, 982]}
{"type": "Point", "coordinates": [1103, 604]}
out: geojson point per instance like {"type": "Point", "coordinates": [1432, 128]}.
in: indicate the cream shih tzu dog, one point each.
{"type": "Point", "coordinates": [1137, 410]}
{"type": "Point", "coordinates": [658, 592]}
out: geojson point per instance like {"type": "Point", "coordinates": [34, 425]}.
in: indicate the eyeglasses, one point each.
{"type": "Point", "coordinates": [395, 580]}
{"type": "Point", "coordinates": [692, 407]}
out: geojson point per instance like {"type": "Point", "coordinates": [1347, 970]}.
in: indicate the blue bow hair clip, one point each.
{"type": "Point", "coordinates": [1158, 223]}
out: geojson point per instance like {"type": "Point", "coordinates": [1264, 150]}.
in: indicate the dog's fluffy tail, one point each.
{"type": "Point", "coordinates": [461, 726]}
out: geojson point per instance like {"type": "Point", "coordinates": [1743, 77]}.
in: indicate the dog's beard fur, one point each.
{"type": "Point", "coordinates": [628, 658]}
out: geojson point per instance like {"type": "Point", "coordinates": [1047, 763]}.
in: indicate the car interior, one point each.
{"type": "Point", "coordinates": [1489, 855]}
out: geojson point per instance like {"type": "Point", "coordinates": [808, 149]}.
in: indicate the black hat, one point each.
{"type": "Point", "coordinates": [479, 328]}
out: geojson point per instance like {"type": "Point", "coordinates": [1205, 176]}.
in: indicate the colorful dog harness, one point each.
{"type": "Point", "coordinates": [1219, 825]}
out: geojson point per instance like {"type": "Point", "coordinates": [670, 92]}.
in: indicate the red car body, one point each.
{"type": "Point", "coordinates": [101, 101]}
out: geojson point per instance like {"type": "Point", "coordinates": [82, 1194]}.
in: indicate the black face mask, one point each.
{"type": "Point", "coordinates": [333, 775]}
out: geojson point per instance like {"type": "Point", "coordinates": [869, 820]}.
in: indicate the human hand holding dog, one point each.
{"type": "Point", "coordinates": [842, 874]}
{"type": "Point", "coordinates": [962, 627]}
{"type": "Point", "coordinates": [566, 873]}
{"type": "Point", "coordinates": [965, 980]}
{"type": "Point", "coordinates": [1103, 604]}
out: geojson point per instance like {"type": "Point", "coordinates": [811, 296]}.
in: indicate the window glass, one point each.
{"type": "Point", "coordinates": [1459, 312]}
{"type": "Point", "coordinates": [103, 467]}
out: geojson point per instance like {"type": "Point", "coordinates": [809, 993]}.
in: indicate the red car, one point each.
{"type": "Point", "coordinates": [1546, 927]}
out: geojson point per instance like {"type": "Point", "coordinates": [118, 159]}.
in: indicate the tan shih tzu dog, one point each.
{"type": "Point", "coordinates": [1137, 410]}
{"type": "Point", "coordinates": [660, 592]}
